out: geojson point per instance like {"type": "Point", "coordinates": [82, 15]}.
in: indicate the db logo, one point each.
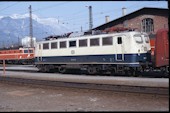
{"type": "Point", "coordinates": [72, 52]}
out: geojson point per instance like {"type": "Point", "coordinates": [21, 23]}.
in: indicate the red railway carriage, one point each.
{"type": "Point", "coordinates": [162, 48]}
{"type": "Point", "coordinates": [15, 56]}
{"type": "Point", "coordinates": [152, 44]}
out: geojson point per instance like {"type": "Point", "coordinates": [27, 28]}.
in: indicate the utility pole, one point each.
{"type": "Point", "coordinates": [31, 30]}
{"type": "Point", "coordinates": [90, 17]}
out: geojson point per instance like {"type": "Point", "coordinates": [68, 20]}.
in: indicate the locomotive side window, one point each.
{"type": "Point", "coordinates": [119, 40]}
{"type": "Point", "coordinates": [107, 41]}
{"type": "Point", "coordinates": [72, 43]}
{"type": "Point", "coordinates": [63, 44]}
{"type": "Point", "coordinates": [83, 43]}
{"type": "Point", "coordinates": [138, 38]}
{"type": "Point", "coordinates": [94, 42]}
{"type": "Point", "coordinates": [46, 46]}
{"type": "Point", "coordinates": [25, 51]}
{"type": "Point", "coordinates": [54, 45]}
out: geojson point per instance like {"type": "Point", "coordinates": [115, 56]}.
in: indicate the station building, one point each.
{"type": "Point", "coordinates": [147, 20]}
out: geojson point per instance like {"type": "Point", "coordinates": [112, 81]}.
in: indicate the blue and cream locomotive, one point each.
{"type": "Point", "coordinates": [120, 52]}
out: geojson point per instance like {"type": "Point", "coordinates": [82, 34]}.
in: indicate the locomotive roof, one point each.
{"type": "Point", "coordinates": [87, 36]}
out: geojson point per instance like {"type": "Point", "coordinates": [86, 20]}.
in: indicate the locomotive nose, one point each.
{"type": "Point", "coordinates": [148, 55]}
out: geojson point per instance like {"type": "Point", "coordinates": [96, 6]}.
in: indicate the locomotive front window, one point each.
{"type": "Point", "coordinates": [138, 38]}
{"type": "Point", "coordinates": [146, 38]}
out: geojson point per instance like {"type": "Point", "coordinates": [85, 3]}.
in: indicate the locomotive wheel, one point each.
{"type": "Point", "coordinates": [62, 69]}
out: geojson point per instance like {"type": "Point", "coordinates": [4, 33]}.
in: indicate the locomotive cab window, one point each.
{"type": "Point", "coordinates": [72, 43]}
{"type": "Point", "coordinates": [119, 40]}
{"type": "Point", "coordinates": [94, 42]}
{"type": "Point", "coordinates": [46, 46]}
{"type": "Point", "coordinates": [107, 41]}
{"type": "Point", "coordinates": [138, 38]}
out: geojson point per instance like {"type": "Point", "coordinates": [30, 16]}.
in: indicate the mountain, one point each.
{"type": "Point", "coordinates": [14, 28]}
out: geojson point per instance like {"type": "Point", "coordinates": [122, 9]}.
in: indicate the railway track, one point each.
{"type": "Point", "coordinates": [159, 91]}
{"type": "Point", "coordinates": [119, 88]}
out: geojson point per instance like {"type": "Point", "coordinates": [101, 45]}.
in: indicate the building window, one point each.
{"type": "Point", "coordinates": [125, 23]}
{"type": "Point", "coordinates": [147, 25]}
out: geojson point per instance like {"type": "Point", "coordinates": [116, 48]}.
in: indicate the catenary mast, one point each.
{"type": "Point", "coordinates": [31, 30]}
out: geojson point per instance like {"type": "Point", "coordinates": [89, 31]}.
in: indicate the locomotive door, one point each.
{"type": "Point", "coordinates": [119, 48]}
{"type": "Point", "coordinates": [39, 58]}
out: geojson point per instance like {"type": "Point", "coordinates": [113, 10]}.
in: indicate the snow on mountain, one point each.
{"type": "Point", "coordinates": [15, 27]}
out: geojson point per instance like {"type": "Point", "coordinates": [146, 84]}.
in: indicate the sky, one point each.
{"type": "Point", "coordinates": [75, 14]}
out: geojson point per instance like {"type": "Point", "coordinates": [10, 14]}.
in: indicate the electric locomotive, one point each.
{"type": "Point", "coordinates": [119, 52]}
{"type": "Point", "coordinates": [17, 56]}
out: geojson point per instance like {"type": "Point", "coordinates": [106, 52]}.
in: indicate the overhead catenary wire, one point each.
{"type": "Point", "coordinates": [8, 6]}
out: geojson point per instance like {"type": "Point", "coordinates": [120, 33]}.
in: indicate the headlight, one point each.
{"type": "Point", "coordinates": [144, 58]}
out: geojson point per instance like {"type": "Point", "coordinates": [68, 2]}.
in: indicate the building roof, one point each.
{"type": "Point", "coordinates": [145, 10]}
